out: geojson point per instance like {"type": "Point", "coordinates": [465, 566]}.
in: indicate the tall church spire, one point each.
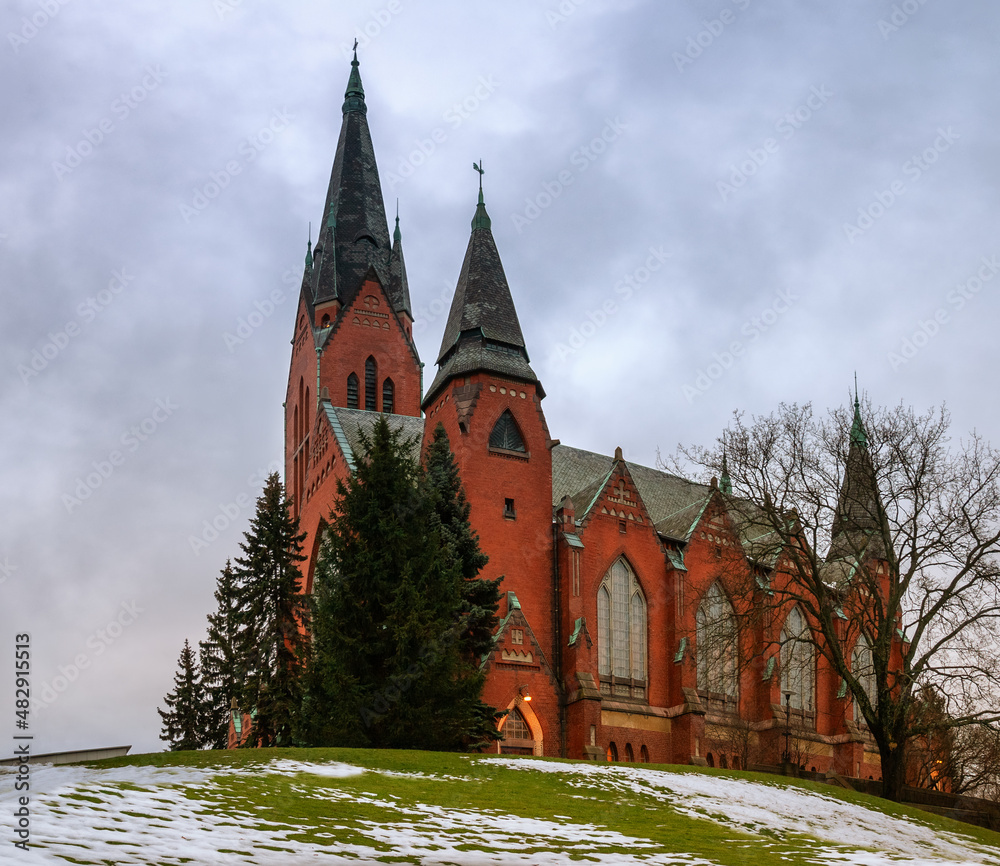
{"type": "Point", "coordinates": [859, 524]}
{"type": "Point", "coordinates": [354, 237]}
{"type": "Point", "coordinates": [482, 332]}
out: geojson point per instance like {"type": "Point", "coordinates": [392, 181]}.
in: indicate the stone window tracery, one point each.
{"type": "Point", "coordinates": [621, 633]}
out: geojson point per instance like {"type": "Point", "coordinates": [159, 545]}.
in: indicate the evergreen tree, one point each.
{"type": "Point", "coordinates": [480, 597]}
{"type": "Point", "coordinates": [389, 668]}
{"type": "Point", "coordinates": [182, 720]}
{"type": "Point", "coordinates": [221, 665]}
{"type": "Point", "coordinates": [271, 647]}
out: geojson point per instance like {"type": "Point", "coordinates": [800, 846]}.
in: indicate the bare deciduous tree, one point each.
{"type": "Point", "coordinates": [887, 534]}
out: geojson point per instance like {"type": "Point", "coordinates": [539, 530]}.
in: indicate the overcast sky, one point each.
{"type": "Point", "coordinates": [796, 191]}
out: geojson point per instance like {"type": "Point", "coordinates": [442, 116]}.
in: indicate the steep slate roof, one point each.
{"type": "Point", "coordinates": [674, 504]}
{"type": "Point", "coordinates": [348, 425]}
{"type": "Point", "coordinates": [399, 288]}
{"type": "Point", "coordinates": [859, 524]}
{"type": "Point", "coordinates": [354, 234]}
{"type": "Point", "coordinates": [482, 332]}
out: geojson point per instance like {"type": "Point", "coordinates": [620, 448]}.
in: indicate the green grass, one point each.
{"type": "Point", "coordinates": [334, 812]}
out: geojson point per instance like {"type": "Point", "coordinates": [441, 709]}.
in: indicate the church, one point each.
{"type": "Point", "coordinates": [617, 637]}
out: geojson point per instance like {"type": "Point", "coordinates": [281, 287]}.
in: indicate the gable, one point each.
{"type": "Point", "coordinates": [616, 496]}
{"type": "Point", "coordinates": [514, 644]}
{"type": "Point", "coordinates": [369, 315]}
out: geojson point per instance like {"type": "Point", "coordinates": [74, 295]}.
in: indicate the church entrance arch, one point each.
{"type": "Point", "coordinates": [521, 731]}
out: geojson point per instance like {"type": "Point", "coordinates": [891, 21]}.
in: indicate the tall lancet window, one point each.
{"type": "Point", "coordinates": [863, 668]}
{"type": "Point", "coordinates": [798, 662]}
{"type": "Point", "coordinates": [717, 648]}
{"type": "Point", "coordinates": [371, 384]}
{"type": "Point", "coordinates": [621, 633]}
{"type": "Point", "coordinates": [388, 397]}
{"type": "Point", "coordinates": [352, 391]}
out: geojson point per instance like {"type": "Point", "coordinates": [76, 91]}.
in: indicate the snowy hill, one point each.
{"type": "Point", "coordinates": [353, 806]}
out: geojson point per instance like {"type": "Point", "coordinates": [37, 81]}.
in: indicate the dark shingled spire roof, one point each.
{"type": "Point", "coordinates": [399, 289]}
{"type": "Point", "coordinates": [859, 525]}
{"type": "Point", "coordinates": [482, 332]}
{"type": "Point", "coordinates": [354, 234]}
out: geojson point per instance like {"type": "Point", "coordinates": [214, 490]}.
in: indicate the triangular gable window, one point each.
{"type": "Point", "coordinates": [506, 435]}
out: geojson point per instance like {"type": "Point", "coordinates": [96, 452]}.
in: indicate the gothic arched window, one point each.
{"type": "Point", "coordinates": [621, 633]}
{"type": "Point", "coordinates": [798, 661]}
{"type": "Point", "coordinates": [716, 644]}
{"type": "Point", "coordinates": [371, 380]}
{"type": "Point", "coordinates": [517, 736]}
{"type": "Point", "coordinates": [388, 397]}
{"type": "Point", "coordinates": [863, 668]}
{"type": "Point", "coordinates": [352, 391]}
{"type": "Point", "coordinates": [506, 434]}
{"type": "Point", "coordinates": [515, 727]}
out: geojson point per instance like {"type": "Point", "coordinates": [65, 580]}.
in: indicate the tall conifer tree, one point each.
{"type": "Point", "coordinates": [221, 665]}
{"type": "Point", "coordinates": [389, 668]}
{"type": "Point", "coordinates": [272, 613]}
{"type": "Point", "coordinates": [182, 720]}
{"type": "Point", "coordinates": [480, 597]}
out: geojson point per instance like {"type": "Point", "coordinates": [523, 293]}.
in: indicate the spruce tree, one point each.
{"type": "Point", "coordinates": [389, 669]}
{"type": "Point", "coordinates": [480, 597]}
{"type": "Point", "coordinates": [271, 646]}
{"type": "Point", "coordinates": [221, 665]}
{"type": "Point", "coordinates": [182, 720]}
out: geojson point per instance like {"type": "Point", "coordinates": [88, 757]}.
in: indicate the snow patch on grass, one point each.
{"type": "Point", "coordinates": [756, 808]}
{"type": "Point", "coordinates": [174, 815]}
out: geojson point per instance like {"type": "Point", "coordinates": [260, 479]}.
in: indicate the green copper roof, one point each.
{"type": "Point", "coordinates": [725, 482]}
{"type": "Point", "coordinates": [482, 219]}
{"type": "Point", "coordinates": [309, 254]}
{"type": "Point", "coordinates": [858, 435]}
{"type": "Point", "coordinates": [354, 98]}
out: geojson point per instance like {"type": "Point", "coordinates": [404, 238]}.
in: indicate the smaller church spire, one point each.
{"type": "Point", "coordinates": [858, 435]}
{"type": "Point", "coordinates": [725, 482]}
{"type": "Point", "coordinates": [309, 249]}
{"type": "Point", "coordinates": [396, 234]}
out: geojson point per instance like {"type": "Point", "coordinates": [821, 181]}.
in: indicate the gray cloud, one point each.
{"type": "Point", "coordinates": [559, 78]}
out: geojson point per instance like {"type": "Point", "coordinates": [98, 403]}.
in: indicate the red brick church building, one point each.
{"type": "Point", "coordinates": [616, 575]}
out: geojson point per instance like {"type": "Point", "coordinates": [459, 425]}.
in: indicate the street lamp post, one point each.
{"type": "Point", "coordinates": [787, 755]}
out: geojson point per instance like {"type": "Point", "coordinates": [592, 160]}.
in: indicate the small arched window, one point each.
{"type": "Point", "coordinates": [612, 752]}
{"type": "Point", "coordinates": [716, 644]}
{"type": "Point", "coordinates": [388, 397]}
{"type": "Point", "coordinates": [352, 391]}
{"type": "Point", "coordinates": [371, 380]}
{"type": "Point", "coordinates": [798, 662]}
{"type": "Point", "coordinates": [643, 755]}
{"type": "Point", "coordinates": [506, 434]}
{"type": "Point", "coordinates": [629, 757]}
{"type": "Point", "coordinates": [863, 668]}
{"type": "Point", "coordinates": [515, 727]}
{"type": "Point", "coordinates": [621, 633]}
